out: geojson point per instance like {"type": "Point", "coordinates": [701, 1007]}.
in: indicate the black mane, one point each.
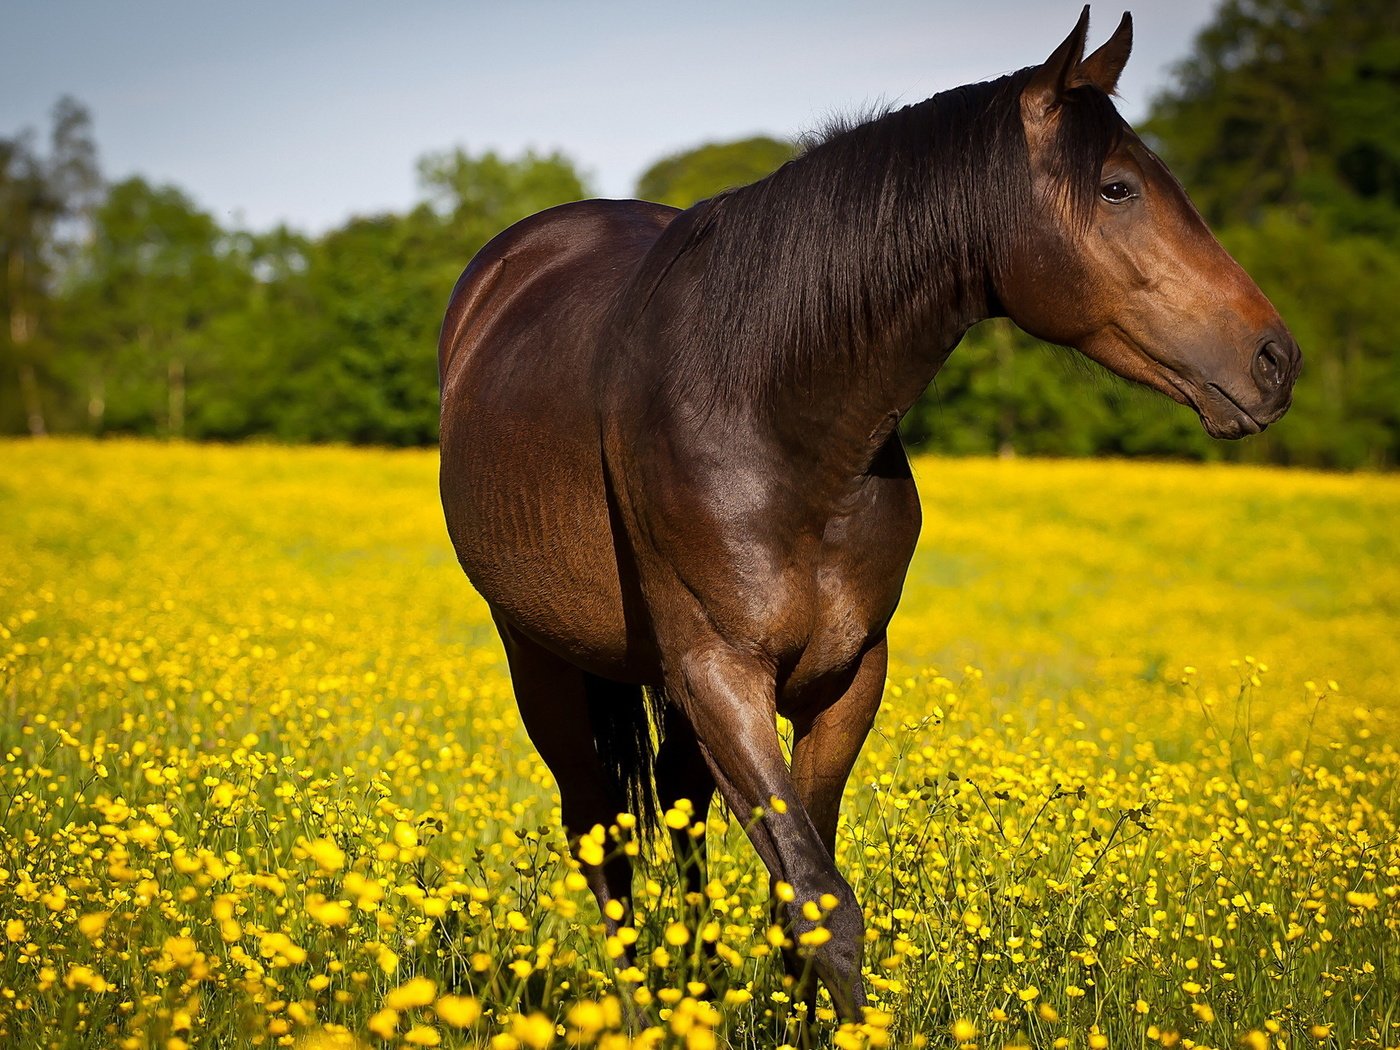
{"type": "Point", "coordinates": [842, 248]}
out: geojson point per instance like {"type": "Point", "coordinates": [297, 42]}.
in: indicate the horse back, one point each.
{"type": "Point", "coordinates": [560, 245]}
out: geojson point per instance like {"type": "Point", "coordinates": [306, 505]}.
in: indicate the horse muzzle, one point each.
{"type": "Point", "coordinates": [1229, 412]}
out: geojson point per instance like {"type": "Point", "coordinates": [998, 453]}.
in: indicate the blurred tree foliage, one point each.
{"type": "Point", "coordinates": [693, 175]}
{"type": "Point", "coordinates": [44, 198]}
{"type": "Point", "coordinates": [1293, 104]}
{"type": "Point", "coordinates": [127, 308]}
{"type": "Point", "coordinates": [162, 323]}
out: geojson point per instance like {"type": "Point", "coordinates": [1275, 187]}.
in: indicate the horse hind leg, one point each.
{"type": "Point", "coordinates": [558, 705]}
{"type": "Point", "coordinates": [681, 773]}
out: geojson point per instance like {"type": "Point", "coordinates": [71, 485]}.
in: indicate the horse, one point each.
{"type": "Point", "coordinates": [669, 456]}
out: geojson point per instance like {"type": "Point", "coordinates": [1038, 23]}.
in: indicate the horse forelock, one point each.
{"type": "Point", "coordinates": [1089, 129]}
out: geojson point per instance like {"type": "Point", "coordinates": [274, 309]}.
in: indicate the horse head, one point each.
{"type": "Point", "coordinates": [1115, 261]}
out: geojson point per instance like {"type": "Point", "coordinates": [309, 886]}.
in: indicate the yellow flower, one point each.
{"type": "Point", "coordinates": [92, 924]}
{"type": "Point", "coordinates": [85, 977]}
{"type": "Point", "coordinates": [535, 1031]}
{"type": "Point", "coordinates": [330, 1038]}
{"type": "Point", "coordinates": [587, 1016]}
{"type": "Point", "coordinates": [677, 934]}
{"type": "Point", "coordinates": [327, 912]}
{"type": "Point", "coordinates": [326, 855]}
{"type": "Point", "coordinates": [417, 991]}
{"type": "Point", "coordinates": [460, 1011]}
{"type": "Point", "coordinates": [384, 1023]}
{"type": "Point", "coordinates": [964, 1031]}
{"type": "Point", "coordinates": [182, 950]}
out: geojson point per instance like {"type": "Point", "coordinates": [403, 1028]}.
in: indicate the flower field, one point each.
{"type": "Point", "coordinates": [1135, 783]}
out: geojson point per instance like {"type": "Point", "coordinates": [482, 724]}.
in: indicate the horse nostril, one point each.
{"type": "Point", "coordinates": [1271, 365]}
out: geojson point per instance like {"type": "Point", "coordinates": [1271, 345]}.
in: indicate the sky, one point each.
{"type": "Point", "coordinates": [307, 112]}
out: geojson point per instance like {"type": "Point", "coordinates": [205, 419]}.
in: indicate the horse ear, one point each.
{"type": "Point", "coordinates": [1105, 66]}
{"type": "Point", "coordinates": [1049, 83]}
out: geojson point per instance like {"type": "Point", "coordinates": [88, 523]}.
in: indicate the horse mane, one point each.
{"type": "Point", "coordinates": [849, 244]}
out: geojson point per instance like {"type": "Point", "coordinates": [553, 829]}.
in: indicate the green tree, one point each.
{"type": "Point", "coordinates": [44, 199]}
{"type": "Point", "coordinates": [482, 195]}
{"type": "Point", "coordinates": [1291, 103]}
{"type": "Point", "coordinates": [173, 325]}
{"type": "Point", "coordinates": [159, 280]}
{"type": "Point", "coordinates": [364, 370]}
{"type": "Point", "coordinates": [1005, 393]}
{"type": "Point", "coordinates": [693, 175]}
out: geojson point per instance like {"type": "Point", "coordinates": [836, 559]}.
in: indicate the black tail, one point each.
{"type": "Point", "coordinates": [626, 726]}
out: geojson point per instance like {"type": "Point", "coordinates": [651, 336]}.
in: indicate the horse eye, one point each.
{"type": "Point", "coordinates": [1116, 192]}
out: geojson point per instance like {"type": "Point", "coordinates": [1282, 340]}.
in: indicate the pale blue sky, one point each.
{"type": "Point", "coordinates": [308, 112]}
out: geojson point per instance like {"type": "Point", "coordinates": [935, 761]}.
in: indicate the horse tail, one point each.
{"type": "Point", "coordinates": [626, 732]}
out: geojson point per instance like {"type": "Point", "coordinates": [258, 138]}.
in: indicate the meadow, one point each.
{"type": "Point", "coordinates": [1135, 782]}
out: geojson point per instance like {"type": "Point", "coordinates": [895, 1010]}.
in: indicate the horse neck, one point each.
{"type": "Point", "coordinates": [849, 404]}
{"type": "Point", "coordinates": [848, 276]}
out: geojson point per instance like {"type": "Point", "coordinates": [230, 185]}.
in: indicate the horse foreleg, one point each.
{"type": "Point", "coordinates": [729, 698]}
{"type": "Point", "coordinates": [825, 747]}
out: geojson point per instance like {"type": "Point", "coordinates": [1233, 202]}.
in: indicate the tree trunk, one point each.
{"type": "Point", "coordinates": [21, 331]}
{"type": "Point", "coordinates": [97, 404]}
{"type": "Point", "coordinates": [175, 374]}
{"type": "Point", "coordinates": [33, 403]}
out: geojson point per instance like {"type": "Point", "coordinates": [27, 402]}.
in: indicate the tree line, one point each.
{"type": "Point", "coordinates": [128, 309]}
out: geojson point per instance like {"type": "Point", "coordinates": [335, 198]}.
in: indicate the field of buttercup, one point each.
{"type": "Point", "coordinates": [1135, 783]}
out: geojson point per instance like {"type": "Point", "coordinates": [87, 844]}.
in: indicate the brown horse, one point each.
{"type": "Point", "coordinates": [669, 456]}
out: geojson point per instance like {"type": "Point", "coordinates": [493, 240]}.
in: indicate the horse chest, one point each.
{"type": "Point", "coordinates": [806, 575]}
{"type": "Point", "coordinates": [857, 582]}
